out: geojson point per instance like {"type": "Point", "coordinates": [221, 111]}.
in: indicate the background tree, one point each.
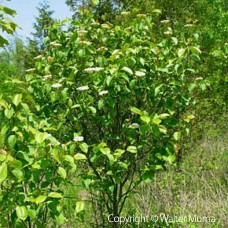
{"type": "Point", "coordinates": [103, 10]}
{"type": "Point", "coordinates": [44, 21]}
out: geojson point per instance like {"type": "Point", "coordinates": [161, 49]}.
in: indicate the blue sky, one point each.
{"type": "Point", "coordinates": [26, 13]}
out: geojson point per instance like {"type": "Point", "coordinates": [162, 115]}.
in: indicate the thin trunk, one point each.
{"type": "Point", "coordinates": [115, 205]}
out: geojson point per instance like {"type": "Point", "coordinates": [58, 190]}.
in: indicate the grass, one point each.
{"type": "Point", "coordinates": [199, 190]}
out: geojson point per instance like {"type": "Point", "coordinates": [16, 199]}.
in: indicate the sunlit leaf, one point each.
{"type": "Point", "coordinates": [128, 70]}
{"type": "Point", "coordinates": [80, 156]}
{"type": "Point", "coordinates": [69, 158]}
{"type": "Point", "coordinates": [41, 136]}
{"type": "Point", "coordinates": [62, 172]}
{"type": "Point", "coordinates": [17, 99]}
{"type": "Point", "coordinates": [80, 206]}
{"type": "Point", "coordinates": [55, 195]}
{"type": "Point", "coordinates": [84, 147]}
{"type": "Point", "coordinates": [12, 141]}
{"type": "Point", "coordinates": [177, 135]}
{"type": "Point", "coordinates": [105, 150]}
{"type": "Point", "coordinates": [132, 149]}
{"type": "Point", "coordinates": [18, 174]}
{"type": "Point", "coordinates": [181, 52]}
{"type": "Point", "coordinates": [21, 212]}
{"type": "Point", "coordinates": [94, 2]}
{"type": "Point", "coordinates": [3, 172]}
{"type": "Point", "coordinates": [195, 50]}
{"type": "Point", "coordinates": [157, 11]}
{"type": "Point", "coordinates": [145, 119]}
{"type": "Point", "coordinates": [9, 112]}
{"type": "Point", "coordinates": [40, 199]}
{"type": "Point", "coordinates": [136, 110]}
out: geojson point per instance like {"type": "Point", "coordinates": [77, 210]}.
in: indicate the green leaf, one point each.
{"type": "Point", "coordinates": [165, 70]}
{"type": "Point", "coordinates": [80, 206]}
{"type": "Point", "coordinates": [21, 212]}
{"type": "Point", "coordinates": [135, 110]}
{"type": "Point", "coordinates": [2, 156]}
{"type": "Point", "coordinates": [25, 107]}
{"type": "Point", "coordinates": [3, 172]}
{"type": "Point", "coordinates": [162, 129]}
{"type": "Point", "coordinates": [189, 118]}
{"type": "Point", "coordinates": [157, 11]}
{"type": "Point", "coordinates": [15, 164]}
{"type": "Point", "coordinates": [119, 152]}
{"type": "Point", "coordinates": [145, 119]}
{"type": "Point", "coordinates": [40, 136]}
{"type": "Point", "coordinates": [94, 2]}
{"type": "Point", "coordinates": [132, 149]}
{"type": "Point", "coordinates": [9, 113]}
{"type": "Point", "coordinates": [132, 84]}
{"type": "Point", "coordinates": [111, 188]}
{"type": "Point", "coordinates": [81, 53]}
{"type": "Point", "coordinates": [84, 147]}
{"type": "Point", "coordinates": [157, 89]}
{"type": "Point", "coordinates": [175, 40]}
{"type": "Point", "coordinates": [108, 80]}
{"type": "Point", "coordinates": [69, 158]}
{"type": "Point", "coordinates": [110, 158]}
{"type": "Point", "coordinates": [144, 129]}
{"type": "Point", "coordinates": [156, 119]}
{"type": "Point", "coordinates": [87, 183]}
{"type": "Point", "coordinates": [217, 53]}
{"type": "Point", "coordinates": [3, 41]}
{"type": "Point", "coordinates": [164, 115]}
{"type": "Point", "coordinates": [142, 61]}
{"type": "Point", "coordinates": [195, 50]}
{"type": "Point", "coordinates": [105, 150]}
{"type": "Point", "coordinates": [55, 154]}
{"type": "Point", "coordinates": [177, 135]}
{"type": "Point", "coordinates": [17, 99]}
{"type": "Point", "coordinates": [148, 176]}
{"type": "Point", "coordinates": [171, 158]}
{"type": "Point", "coordinates": [123, 165]}
{"type": "Point", "coordinates": [196, 58]}
{"type": "Point", "coordinates": [18, 174]}
{"type": "Point", "coordinates": [40, 199]}
{"type": "Point", "coordinates": [60, 219]}
{"type": "Point", "coordinates": [32, 213]}
{"type": "Point", "coordinates": [73, 168]}
{"type": "Point", "coordinates": [155, 130]}
{"type": "Point", "coordinates": [93, 110]}
{"type": "Point", "coordinates": [181, 52]}
{"type": "Point", "coordinates": [80, 156]}
{"type": "Point", "coordinates": [12, 141]}
{"type": "Point", "coordinates": [9, 11]}
{"type": "Point", "coordinates": [62, 172]}
{"type": "Point", "coordinates": [187, 131]}
{"type": "Point", "coordinates": [55, 195]}
{"type": "Point", "coordinates": [100, 104]}
{"type": "Point", "coordinates": [128, 70]}
{"type": "Point", "coordinates": [140, 73]}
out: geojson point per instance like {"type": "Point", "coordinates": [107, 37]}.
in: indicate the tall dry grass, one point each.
{"type": "Point", "coordinates": [200, 188]}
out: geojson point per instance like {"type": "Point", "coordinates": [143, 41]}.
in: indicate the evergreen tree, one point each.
{"type": "Point", "coordinates": [43, 22]}
{"type": "Point", "coordinates": [103, 10]}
